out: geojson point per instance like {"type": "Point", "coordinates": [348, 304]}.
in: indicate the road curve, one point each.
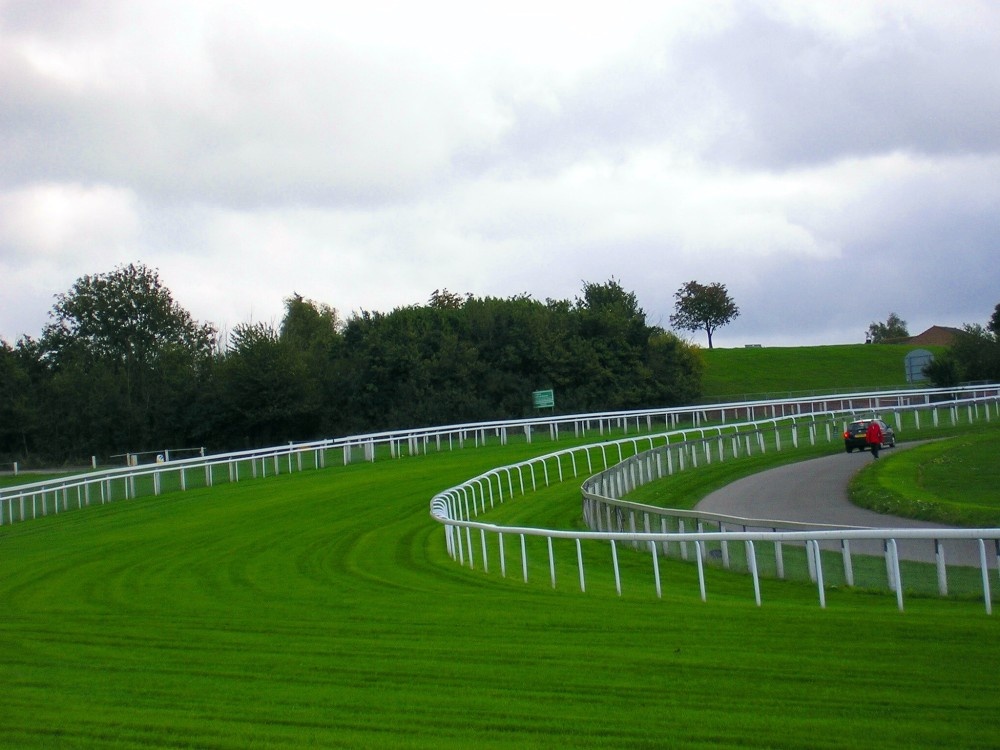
{"type": "Point", "coordinates": [815, 491]}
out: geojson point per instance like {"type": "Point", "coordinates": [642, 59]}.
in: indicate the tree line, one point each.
{"type": "Point", "coordinates": [122, 368]}
{"type": "Point", "coordinates": [973, 357]}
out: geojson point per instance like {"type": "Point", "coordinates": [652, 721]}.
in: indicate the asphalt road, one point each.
{"type": "Point", "coordinates": [815, 491]}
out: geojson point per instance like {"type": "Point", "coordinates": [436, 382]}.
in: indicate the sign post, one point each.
{"type": "Point", "coordinates": [544, 399]}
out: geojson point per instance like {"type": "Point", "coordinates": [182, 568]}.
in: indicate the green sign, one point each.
{"type": "Point", "coordinates": [544, 399]}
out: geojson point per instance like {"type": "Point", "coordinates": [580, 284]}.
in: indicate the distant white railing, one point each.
{"type": "Point", "coordinates": [37, 499]}
{"type": "Point", "coordinates": [52, 496]}
{"type": "Point", "coordinates": [711, 428]}
{"type": "Point", "coordinates": [605, 513]}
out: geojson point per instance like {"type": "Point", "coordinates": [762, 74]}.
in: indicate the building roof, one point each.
{"type": "Point", "coordinates": [935, 336]}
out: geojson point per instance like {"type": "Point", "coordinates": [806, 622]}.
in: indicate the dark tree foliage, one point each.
{"type": "Point", "coordinates": [977, 351]}
{"type": "Point", "coordinates": [414, 366]}
{"type": "Point", "coordinates": [120, 368]}
{"type": "Point", "coordinates": [703, 307]}
{"type": "Point", "coordinates": [675, 370]}
{"type": "Point", "coordinates": [311, 333]}
{"type": "Point", "coordinates": [894, 329]}
{"type": "Point", "coordinates": [263, 390]}
{"type": "Point", "coordinates": [442, 298]}
{"type": "Point", "coordinates": [24, 385]}
{"type": "Point", "coordinates": [126, 318]}
{"type": "Point", "coordinates": [613, 340]}
{"type": "Point", "coordinates": [483, 358]}
{"type": "Point", "coordinates": [15, 400]}
{"type": "Point", "coordinates": [973, 356]}
{"type": "Point", "coordinates": [944, 371]}
{"type": "Point", "coordinates": [310, 326]}
{"type": "Point", "coordinates": [123, 369]}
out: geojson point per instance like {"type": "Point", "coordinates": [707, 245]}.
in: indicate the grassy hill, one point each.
{"type": "Point", "coordinates": [737, 374]}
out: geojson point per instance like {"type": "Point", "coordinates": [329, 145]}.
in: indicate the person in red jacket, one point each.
{"type": "Point", "coordinates": [874, 437]}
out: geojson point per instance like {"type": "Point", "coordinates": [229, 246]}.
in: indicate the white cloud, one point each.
{"type": "Point", "coordinates": [65, 221]}
{"type": "Point", "coordinates": [364, 155]}
{"type": "Point", "coordinates": [50, 234]}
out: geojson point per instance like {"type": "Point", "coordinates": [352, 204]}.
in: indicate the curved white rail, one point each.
{"type": "Point", "coordinates": [790, 420]}
{"type": "Point", "coordinates": [613, 521]}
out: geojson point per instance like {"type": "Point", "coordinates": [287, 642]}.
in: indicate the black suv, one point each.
{"type": "Point", "coordinates": [854, 435]}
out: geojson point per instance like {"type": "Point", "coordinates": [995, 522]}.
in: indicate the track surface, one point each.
{"type": "Point", "coordinates": [815, 491]}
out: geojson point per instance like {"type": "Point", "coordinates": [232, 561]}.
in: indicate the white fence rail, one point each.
{"type": "Point", "coordinates": [712, 430]}
{"type": "Point", "coordinates": [37, 499]}
{"type": "Point", "coordinates": [683, 533]}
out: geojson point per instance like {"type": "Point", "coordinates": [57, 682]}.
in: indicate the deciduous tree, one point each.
{"type": "Point", "coordinates": [14, 403]}
{"type": "Point", "coordinates": [703, 307]}
{"type": "Point", "coordinates": [974, 355]}
{"type": "Point", "coordinates": [126, 317]}
{"type": "Point", "coordinates": [893, 329]}
{"type": "Point", "coordinates": [311, 332]}
{"type": "Point", "coordinates": [263, 387]}
{"type": "Point", "coordinates": [114, 341]}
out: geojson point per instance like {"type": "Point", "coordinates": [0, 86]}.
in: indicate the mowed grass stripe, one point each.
{"type": "Point", "coordinates": [321, 609]}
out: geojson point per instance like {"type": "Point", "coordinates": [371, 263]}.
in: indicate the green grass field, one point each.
{"type": "Point", "coordinates": [954, 481]}
{"type": "Point", "coordinates": [319, 609]}
{"type": "Point", "coordinates": [734, 374]}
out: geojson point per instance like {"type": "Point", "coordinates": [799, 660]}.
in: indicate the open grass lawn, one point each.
{"type": "Point", "coordinates": [320, 609]}
{"type": "Point", "coordinates": [733, 374]}
{"type": "Point", "coordinates": [954, 481]}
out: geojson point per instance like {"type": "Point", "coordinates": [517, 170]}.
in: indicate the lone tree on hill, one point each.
{"type": "Point", "coordinates": [703, 307]}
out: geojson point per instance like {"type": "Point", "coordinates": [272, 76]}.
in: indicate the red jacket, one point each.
{"type": "Point", "coordinates": [874, 434]}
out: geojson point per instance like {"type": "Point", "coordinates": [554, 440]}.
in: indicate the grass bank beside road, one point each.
{"type": "Point", "coordinates": [684, 489]}
{"type": "Point", "coordinates": [955, 481]}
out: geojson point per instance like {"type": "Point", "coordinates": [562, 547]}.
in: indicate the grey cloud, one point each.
{"type": "Point", "coordinates": [252, 123]}
{"type": "Point", "coordinates": [64, 19]}
{"type": "Point", "coordinates": [800, 98]}
{"type": "Point", "coordinates": [830, 164]}
{"type": "Point", "coordinates": [765, 93]}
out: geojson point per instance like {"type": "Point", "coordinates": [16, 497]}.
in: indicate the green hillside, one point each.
{"type": "Point", "coordinates": [750, 373]}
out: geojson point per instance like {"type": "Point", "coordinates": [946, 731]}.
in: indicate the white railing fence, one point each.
{"type": "Point", "coordinates": [705, 537]}
{"type": "Point", "coordinates": [720, 430]}
{"type": "Point", "coordinates": [37, 499]}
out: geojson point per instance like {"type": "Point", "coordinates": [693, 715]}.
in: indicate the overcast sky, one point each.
{"type": "Point", "coordinates": [829, 163]}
